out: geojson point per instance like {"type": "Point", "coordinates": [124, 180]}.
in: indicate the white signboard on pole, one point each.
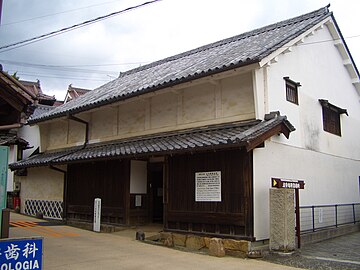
{"type": "Point", "coordinates": [208, 186]}
{"type": "Point", "coordinates": [97, 214]}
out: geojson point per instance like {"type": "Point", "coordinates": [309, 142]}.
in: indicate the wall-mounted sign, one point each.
{"type": "Point", "coordinates": [208, 186]}
{"type": "Point", "coordinates": [137, 200]}
{"type": "Point", "coordinates": [281, 183]}
{"type": "Point", "coordinates": [21, 253]}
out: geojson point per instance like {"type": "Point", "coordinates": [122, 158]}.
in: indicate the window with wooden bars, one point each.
{"type": "Point", "coordinates": [331, 117]}
{"type": "Point", "coordinates": [292, 94]}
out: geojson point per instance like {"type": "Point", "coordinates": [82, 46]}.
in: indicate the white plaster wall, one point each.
{"type": "Point", "coordinates": [329, 164]}
{"type": "Point", "coordinates": [199, 103]}
{"type": "Point", "coordinates": [11, 159]}
{"type": "Point", "coordinates": [32, 135]}
{"type": "Point", "coordinates": [138, 177]}
{"type": "Point", "coordinates": [41, 184]}
{"type": "Point", "coordinates": [103, 123]}
{"type": "Point", "coordinates": [328, 179]}
{"type": "Point", "coordinates": [318, 66]}
{"type": "Point", "coordinates": [59, 131]}
{"type": "Point", "coordinates": [164, 109]}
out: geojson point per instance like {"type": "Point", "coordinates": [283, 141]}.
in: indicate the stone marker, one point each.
{"type": "Point", "coordinates": [282, 220]}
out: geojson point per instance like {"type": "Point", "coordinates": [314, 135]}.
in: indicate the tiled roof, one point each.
{"type": "Point", "coordinates": [74, 92]}
{"type": "Point", "coordinates": [237, 51]}
{"type": "Point", "coordinates": [40, 109]}
{"type": "Point", "coordinates": [12, 139]}
{"type": "Point", "coordinates": [216, 137]}
{"type": "Point", "coordinates": [35, 88]}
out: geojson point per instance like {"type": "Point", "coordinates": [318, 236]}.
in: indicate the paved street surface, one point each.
{"type": "Point", "coordinates": [71, 248]}
{"type": "Point", "coordinates": [338, 253]}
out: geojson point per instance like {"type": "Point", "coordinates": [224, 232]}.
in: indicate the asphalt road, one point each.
{"type": "Point", "coordinates": [72, 248]}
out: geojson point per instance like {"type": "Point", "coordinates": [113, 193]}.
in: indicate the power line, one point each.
{"type": "Point", "coordinates": [20, 73]}
{"type": "Point", "coordinates": [56, 67]}
{"type": "Point", "coordinates": [70, 28]}
{"type": "Point", "coordinates": [57, 13]}
{"type": "Point", "coordinates": [16, 63]}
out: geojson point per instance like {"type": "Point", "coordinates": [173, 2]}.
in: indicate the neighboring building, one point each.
{"type": "Point", "coordinates": [74, 92]}
{"type": "Point", "coordinates": [147, 142]}
{"type": "Point", "coordinates": [45, 103]}
{"type": "Point", "coordinates": [16, 104]}
{"type": "Point", "coordinates": [35, 88]}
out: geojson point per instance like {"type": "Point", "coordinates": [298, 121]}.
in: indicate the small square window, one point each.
{"type": "Point", "coordinates": [292, 91]}
{"type": "Point", "coordinates": [331, 117]}
{"type": "Point", "coordinates": [331, 121]}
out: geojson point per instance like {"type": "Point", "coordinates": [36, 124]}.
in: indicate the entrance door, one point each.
{"type": "Point", "coordinates": [156, 192]}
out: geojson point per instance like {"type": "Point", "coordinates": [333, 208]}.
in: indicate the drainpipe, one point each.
{"type": "Point", "coordinates": [71, 117]}
{"type": "Point", "coordinates": [5, 127]}
{"type": "Point", "coordinates": [65, 189]}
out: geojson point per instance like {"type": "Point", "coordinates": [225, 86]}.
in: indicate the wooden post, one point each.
{"type": "Point", "coordinates": [297, 213]}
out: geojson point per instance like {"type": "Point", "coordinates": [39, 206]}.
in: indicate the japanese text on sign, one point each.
{"type": "Point", "coordinates": [208, 186]}
{"type": "Point", "coordinates": [280, 183]}
{"type": "Point", "coordinates": [18, 254]}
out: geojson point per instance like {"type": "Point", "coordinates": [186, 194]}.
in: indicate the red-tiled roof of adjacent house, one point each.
{"type": "Point", "coordinates": [74, 92]}
{"type": "Point", "coordinates": [35, 88]}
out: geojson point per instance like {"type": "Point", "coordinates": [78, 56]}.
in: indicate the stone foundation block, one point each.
{"type": "Point", "coordinates": [237, 245]}
{"type": "Point", "coordinates": [169, 242]}
{"type": "Point", "coordinates": [216, 247]}
{"type": "Point", "coordinates": [165, 235]}
{"type": "Point", "coordinates": [207, 241]}
{"type": "Point", "coordinates": [179, 239]}
{"type": "Point", "coordinates": [195, 242]}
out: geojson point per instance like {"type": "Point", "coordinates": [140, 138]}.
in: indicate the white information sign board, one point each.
{"type": "Point", "coordinates": [208, 186]}
{"type": "Point", "coordinates": [97, 215]}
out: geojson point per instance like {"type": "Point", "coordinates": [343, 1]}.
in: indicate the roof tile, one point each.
{"type": "Point", "coordinates": [229, 53]}
{"type": "Point", "coordinates": [168, 143]}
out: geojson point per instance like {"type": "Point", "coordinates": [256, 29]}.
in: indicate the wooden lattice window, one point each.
{"type": "Point", "coordinates": [331, 117]}
{"type": "Point", "coordinates": [292, 94]}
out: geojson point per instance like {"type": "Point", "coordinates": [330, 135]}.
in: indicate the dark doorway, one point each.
{"type": "Point", "coordinates": [156, 192]}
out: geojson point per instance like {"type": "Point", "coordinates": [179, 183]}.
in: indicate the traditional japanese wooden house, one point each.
{"type": "Point", "coordinates": [193, 140]}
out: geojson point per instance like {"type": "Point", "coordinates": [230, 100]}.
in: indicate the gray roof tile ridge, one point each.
{"type": "Point", "coordinates": [165, 135]}
{"type": "Point", "coordinates": [98, 97]}
{"type": "Point", "coordinates": [322, 11]}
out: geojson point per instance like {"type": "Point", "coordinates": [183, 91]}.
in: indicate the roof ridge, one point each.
{"type": "Point", "coordinates": [257, 31]}
{"type": "Point", "coordinates": [237, 51]}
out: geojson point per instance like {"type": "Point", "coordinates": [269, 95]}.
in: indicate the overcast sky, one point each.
{"type": "Point", "coordinates": [137, 37]}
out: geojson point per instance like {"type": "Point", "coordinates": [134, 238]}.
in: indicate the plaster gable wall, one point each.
{"type": "Point", "coordinates": [103, 123]}
{"type": "Point", "coordinates": [131, 117]}
{"type": "Point", "coordinates": [58, 133]}
{"type": "Point", "coordinates": [33, 187]}
{"type": "Point", "coordinates": [318, 66]}
{"type": "Point", "coordinates": [200, 103]}
{"type": "Point", "coordinates": [237, 96]}
{"type": "Point", "coordinates": [164, 110]}
{"type": "Point", "coordinates": [76, 132]}
{"type": "Point", "coordinates": [44, 136]}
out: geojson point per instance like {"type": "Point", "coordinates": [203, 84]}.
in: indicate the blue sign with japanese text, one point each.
{"type": "Point", "coordinates": [19, 254]}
